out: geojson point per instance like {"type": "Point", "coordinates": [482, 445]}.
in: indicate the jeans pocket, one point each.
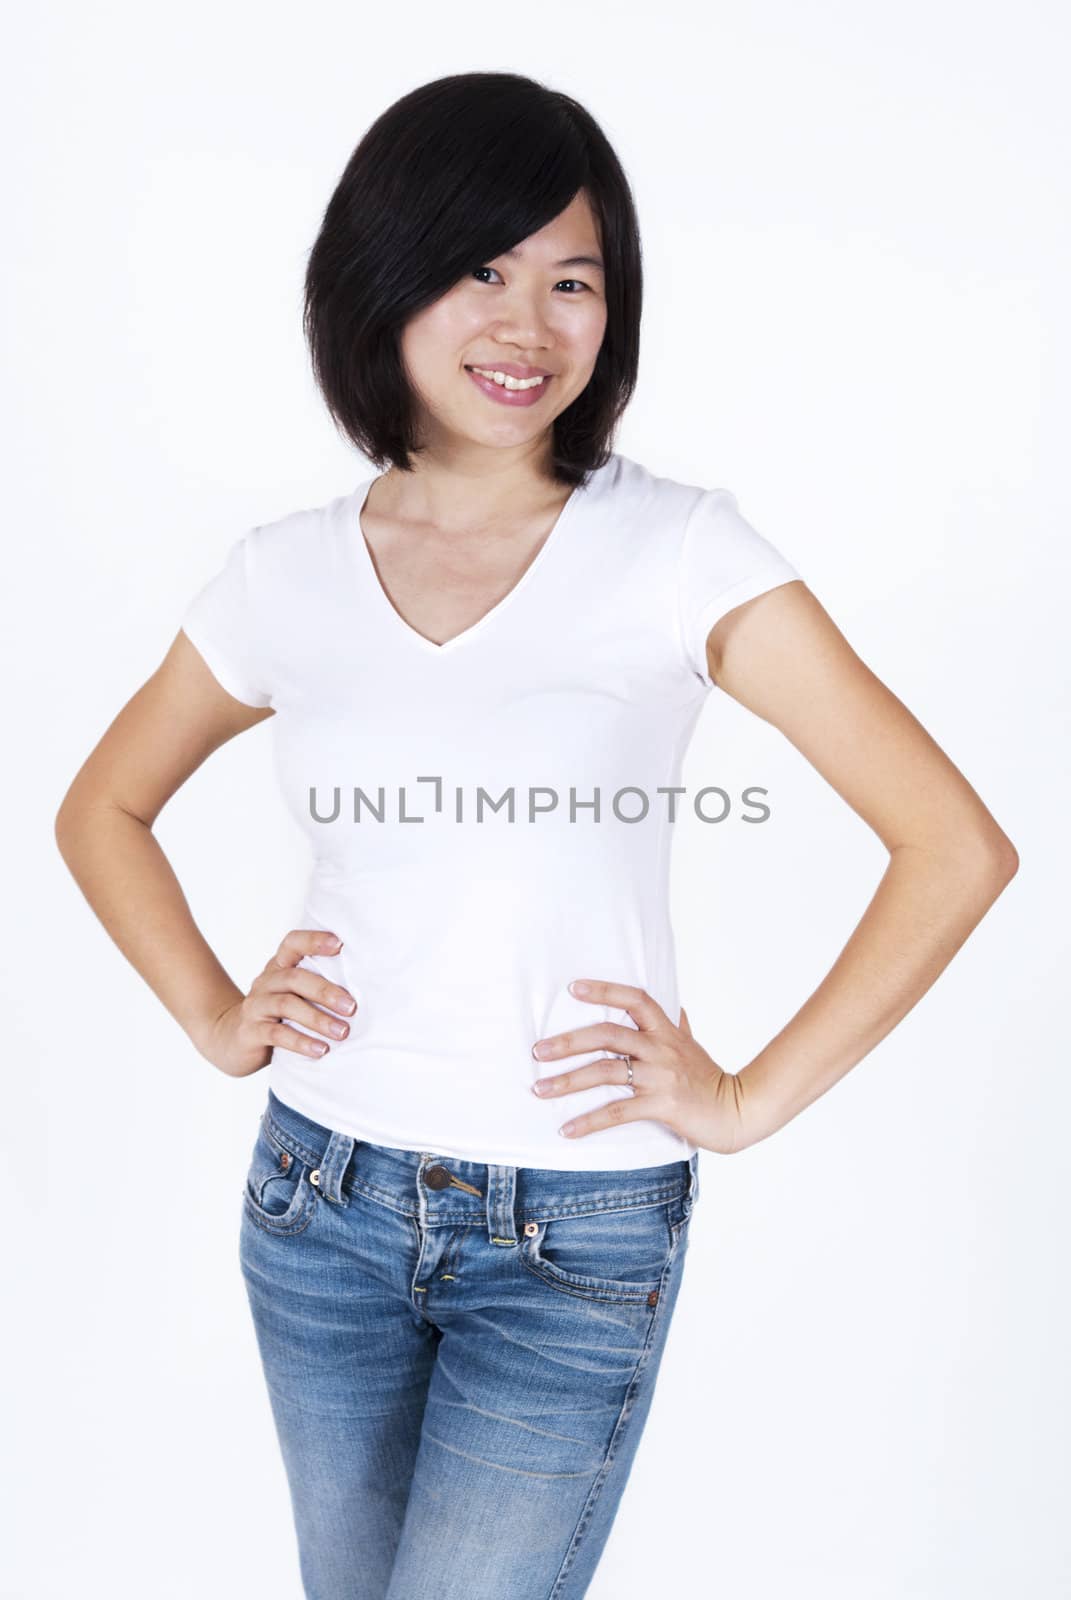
{"type": "Point", "coordinates": [619, 1255]}
{"type": "Point", "coordinates": [278, 1195]}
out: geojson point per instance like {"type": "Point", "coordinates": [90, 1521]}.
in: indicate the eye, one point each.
{"type": "Point", "coordinates": [576, 281]}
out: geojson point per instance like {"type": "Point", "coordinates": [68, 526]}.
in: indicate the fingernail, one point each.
{"type": "Point", "coordinates": [580, 987]}
{"type": "Point", "coordinates": [539, 1087]}
{"type": "Point", "coordinates": [566, 1127]}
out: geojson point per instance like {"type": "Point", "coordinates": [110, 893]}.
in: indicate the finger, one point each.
{"type": "Point", "coordinates": [299, 980]}
{"type": "Point", "coordinates": [609, 1070]}
{"type": "Point", "coordinates": [644, 1010]}
{"type": "Point", "coordinates": [628, 1108]}
{"type": "Point", "coordinates": [283, 1037]}
{"type": "Point", "coordinates": [269, 1007]}
{"type": "Point", "coordinates": [305, 942]}
{"type": "Point", "coordinates": [596, 1036]}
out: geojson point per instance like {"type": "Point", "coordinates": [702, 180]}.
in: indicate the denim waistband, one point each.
{"type": "Point", "coordinates": [452, 1190]}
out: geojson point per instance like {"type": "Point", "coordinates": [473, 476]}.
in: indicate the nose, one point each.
{"type": "Point", "coordinates": [522, 325]}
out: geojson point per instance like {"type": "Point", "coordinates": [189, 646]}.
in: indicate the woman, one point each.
{"type": "Point", "coordinates": [466, 1214]}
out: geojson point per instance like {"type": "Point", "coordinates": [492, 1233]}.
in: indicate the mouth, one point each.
{"type": "Point", "coordinates": [512, 392]}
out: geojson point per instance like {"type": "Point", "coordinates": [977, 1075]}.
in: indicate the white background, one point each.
{"type": "Point", "coordinates": [856, 245]}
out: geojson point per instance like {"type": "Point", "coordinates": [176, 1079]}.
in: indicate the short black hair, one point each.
{"type": "Point", "coordinates": [447, 178]}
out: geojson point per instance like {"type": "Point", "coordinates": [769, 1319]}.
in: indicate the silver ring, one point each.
{"type": "Point", "coordinates": [628, 1065]}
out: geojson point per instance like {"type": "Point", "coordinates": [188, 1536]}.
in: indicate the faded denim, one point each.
{"type": "Point", "coordinates": [459, 1357]}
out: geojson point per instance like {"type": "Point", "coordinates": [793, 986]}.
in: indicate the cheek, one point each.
{"type": "Point", "coordinates": [429, 367]}
{"type": "Point", "coordinates": [582, 336]}
{"type": "Point", "coordinates": [597, 331]}
{"type": "Point", "coordinates": [424, 333]}
{"type": "Point", "coordinates": [435, 345]}
{"type": "Point", "coordinates": [454, 313]}
{"type": "Point", "coordinates": [464, 321]}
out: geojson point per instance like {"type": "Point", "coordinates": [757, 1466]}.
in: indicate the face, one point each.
{"type": "Point", "coordinates": [532, 307]}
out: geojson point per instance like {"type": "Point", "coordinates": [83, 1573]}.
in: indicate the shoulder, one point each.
{"type": "Point", "coordinates": [674, 517]}
{"type": "Point", "coordinates": [300, 551]}
{"type": "Point", "coordinates": [698, 547]}
{"type": "Point", "coordinates": [659, 502]}
{"type": "Point", "coordinates": [296, 534]}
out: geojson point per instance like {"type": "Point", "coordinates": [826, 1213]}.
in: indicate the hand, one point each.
{"type": "Point", "coordinates": [242, 1037]}
{"type": "Point", "coordinates": [674, 1080]}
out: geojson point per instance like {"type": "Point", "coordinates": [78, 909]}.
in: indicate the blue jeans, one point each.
{"type": "Point", "coordinates": [459, 1357]}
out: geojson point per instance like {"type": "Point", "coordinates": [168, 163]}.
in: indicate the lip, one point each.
{"type": "Point", "coordinates": [512, 369]}
{"type": "Point", "coordinates": [510, 397]}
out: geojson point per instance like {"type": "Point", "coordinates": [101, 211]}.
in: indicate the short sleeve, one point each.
{"type": "Point", "coordinates": [723, 562]}
{"type": "Point", "coordinates": [220, 622]}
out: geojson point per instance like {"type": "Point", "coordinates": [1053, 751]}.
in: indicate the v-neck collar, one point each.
{"type": "Point", "coordinates": [364, 556]}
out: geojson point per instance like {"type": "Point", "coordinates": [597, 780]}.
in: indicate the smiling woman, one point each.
{"type": "Point", "coordinates": [465, 1219]}
{"type": "Point", "coordinates": [509, 186]}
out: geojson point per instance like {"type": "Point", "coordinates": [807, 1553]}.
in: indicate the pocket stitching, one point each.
{"type": "Point", "coordinates": [298, 1214]}
{"type": "Point", "coordinates": [302, 1206]}
{"type": "Point", "coordinates": [585, 1287]}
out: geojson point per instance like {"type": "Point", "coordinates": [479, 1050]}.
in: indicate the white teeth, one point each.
{"type": "Point", "coordinates": [506, 381]}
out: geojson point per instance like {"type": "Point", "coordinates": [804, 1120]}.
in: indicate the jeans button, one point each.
{"type": "Point", "coordinates": [437, 1177]}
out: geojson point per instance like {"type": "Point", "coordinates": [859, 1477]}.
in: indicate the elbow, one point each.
{"type": "Point", "coordinates": [81, 811]}
{"type": "Point", "coordinates": [997, 861]}
{"type": "Point", "coordinates": [1000, 855]}
{"type": "Point", "coordinates": [1008, 860]}
{"type": "Point", "coordinates": [69, 822]}
{"type": "Point", "coordinates": [62, 828]}
{"type": "Point", "coordinates": [986, 858]}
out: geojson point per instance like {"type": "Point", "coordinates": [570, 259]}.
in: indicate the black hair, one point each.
{"type": "Point", "coordinates": [446, 179]}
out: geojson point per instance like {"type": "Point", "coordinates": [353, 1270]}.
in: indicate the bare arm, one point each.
{"type": "Point", "coordinates": [103, 829]}
{"type": "Point", "coordinates": [783, 657]}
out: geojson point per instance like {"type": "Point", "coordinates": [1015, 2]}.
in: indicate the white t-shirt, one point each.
{"type": "Point", "coordinates": [463, 925]}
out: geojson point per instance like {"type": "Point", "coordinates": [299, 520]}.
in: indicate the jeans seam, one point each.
{"type": "Point", "coordinates": [627, 1407]}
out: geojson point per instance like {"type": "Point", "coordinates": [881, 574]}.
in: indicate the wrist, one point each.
{"type": "Point", "coordinates": [759, 1114]}
{"type": "Point", "coordinates": [201, 1028]}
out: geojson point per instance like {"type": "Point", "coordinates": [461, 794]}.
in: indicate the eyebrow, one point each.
{"type": "Point", "coordinates": [570, 261]}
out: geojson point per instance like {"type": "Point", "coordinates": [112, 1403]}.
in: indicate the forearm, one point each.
{"type": "Point", "coordinates": [923, 910]}
{"type": "Point", "coordinates": [121, 869]}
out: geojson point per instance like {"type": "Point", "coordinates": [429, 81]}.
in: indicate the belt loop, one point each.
{"type": "Point", "coordinates": [501, 1202]}
{"type": "Point", "coordinates": [328, 1176]}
